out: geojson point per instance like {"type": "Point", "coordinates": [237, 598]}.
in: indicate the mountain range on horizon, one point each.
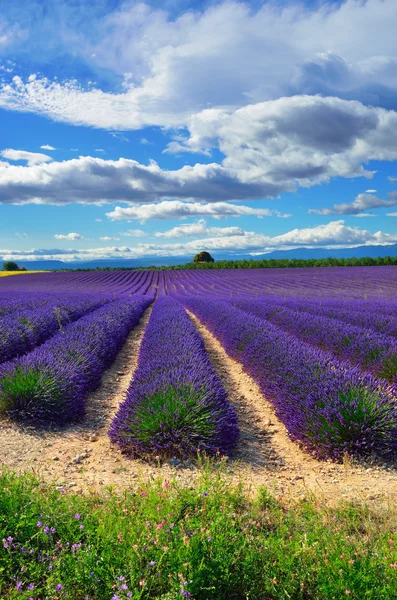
{"type": "Point", "coordinates": [158, 261]}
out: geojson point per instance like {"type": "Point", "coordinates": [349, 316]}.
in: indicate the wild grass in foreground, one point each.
{"type": "Point", "coordinates": [205, 542]}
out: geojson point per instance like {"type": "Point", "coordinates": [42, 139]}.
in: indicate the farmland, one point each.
{"type": "Point", "coordinates": [320, 344]}
{"type": "Point", "coordinates": [284, 379]}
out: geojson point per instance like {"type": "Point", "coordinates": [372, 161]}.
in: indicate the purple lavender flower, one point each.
{"type": "Point", "coordinates": [52, 382]}
{"type": "Point", "coordinates": [326, 405]}
{"type": "Point", "coordinates": [176, 402]}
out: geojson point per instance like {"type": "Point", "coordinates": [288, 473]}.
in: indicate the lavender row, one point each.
{"type": "Point", "coordinates": [380, 317]}
{"type": "Point", "coordinates": [22, 331]}
{"type": "Point", "coordinates": [51, 383]}
{"type": "Point", "coordinates": [328, 408]}
{"type": "Point", "coordinates": [175, 403]}
{"type": "Point", "coordinates": [371, 351]}
{"type": "Point", "coordinates": [11, 302]}
{"type": "Point", "coordinates": [339, 283]}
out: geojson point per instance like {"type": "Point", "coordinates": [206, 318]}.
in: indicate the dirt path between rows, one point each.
{"type": "Point", "coordinates": [266, 456]}
{"type": "Point", "coordinates": [80, 458]}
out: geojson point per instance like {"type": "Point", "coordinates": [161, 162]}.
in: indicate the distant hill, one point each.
{"type": "Point", "coordinates": [358, 252]}
{"type": "Point", "coordinates": [158, 261]}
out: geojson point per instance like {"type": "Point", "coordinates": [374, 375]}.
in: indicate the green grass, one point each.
{"type": "Point", "coordinates": [176, 416]}
{"type": "Point", "coordinates": [209, 540]}
{"type": "Point", "coordinates": [22, 391]}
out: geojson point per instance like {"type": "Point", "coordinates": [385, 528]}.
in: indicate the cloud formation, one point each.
{"type": "Point", "coordinates": [167, 62]}
{"type": "Point", "coordinates": [360, 203]}
{"type": "Point", "coordinates": [200, 229]}
{"type": "Point", "coordinates": [176, 209]}
{"type": "Point", "coordinates": [68, 236]}
{"type": "Point", "coordinates": [332, 235]}
{"type": "Point", "coordinates": [47, 147]}
{"type": "Point", "coordinates": [32, 158]}
{"type": "Point", "coordinates": [269, 148]}
{"type": "Point", "coordinates": [133, 233]}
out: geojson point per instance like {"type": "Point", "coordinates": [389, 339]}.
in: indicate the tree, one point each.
{"type": "Point", "coordinates": [10, 266]}
{"type": "Point", "coordinates": [203, 257]}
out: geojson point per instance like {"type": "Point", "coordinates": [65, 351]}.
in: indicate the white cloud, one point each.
{"type": "Point", "coordinates": [269, 148]}
{"type": "Point", "coordinates": [176, 209]}
{"type": "Point", "coordinates": [94, 180]}
{"type": "Point", "coordinates": [392, 214]}
{"type": "Point", "coordinates": [332, 235]}
{"type": "Point", "coordinates": [68, 236]}
{"type": "Point", "coordinates": [390, 178]}
{"type": "Point", "coordinates": [174, 64]}
{"type": "Point", "coordinates": [200, 229]}
{"type": "Point", "coordinates": [32, 158]}
{"type": "Point", "coordinates": [133, 233]}
{"type": "Point", "coordinates": [360, 203]}
{"type": "Point", "coordinates": [47, 147]}
{"type": "Point", "coordinates": [371, 191]}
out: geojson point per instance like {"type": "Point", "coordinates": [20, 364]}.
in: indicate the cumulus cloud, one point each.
{"type": "Point", "coordinates": [269, 148]}
{"type": "Point", "coordinates": [168, 62]}
{"type": "Point", "coordinates": [371, 191]}
{"type": "Point", "coordinates": [360, 203]}
{"type": "Point", "coordinates": [302, 140]}
{"type": "Point", "coordinates": [32, 158]}
{"type": "Point", "coordinates": [133, 233]}
{"type": "Point", "coordinates": [176, 209]}
{"type": "Point", "coordinates": [47, 147]}
{"type": "Point", "coordinates": [68, 236]}
{"type": "Point", "coordinates": [200, 229]}
{"type": "Point", "coordinates": [331, 235]}
{"type": "Point", "coordinates": [94, 180]}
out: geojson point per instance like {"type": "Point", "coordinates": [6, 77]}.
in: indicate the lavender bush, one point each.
{"type": "Point", "coordinates": [372, 351]}
{"type": "Point", "coordinates": [380, 317]}
{"type": "Point", "coordinates": [51, 383]}
{"type": "Point", "coordinates": [176, 403]}
{"type": "Point", "coordinates": [329, 408]}
{"type": "Point", "coordinates": [21, 331]}
{"type": "Point", "coordinates": [14, 301]}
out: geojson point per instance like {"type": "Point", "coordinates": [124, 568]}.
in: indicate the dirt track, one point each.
{"type": "Point", "coordinates": [80, 458]}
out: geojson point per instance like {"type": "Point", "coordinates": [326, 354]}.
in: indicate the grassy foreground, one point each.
{"type": "Point", "coordinates": [206, 542]}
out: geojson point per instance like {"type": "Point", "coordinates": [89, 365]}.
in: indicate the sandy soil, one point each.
{"type": "Point", "coordinates": [80, 457]}
{"type": "Point", "coordinates": [266, 456]}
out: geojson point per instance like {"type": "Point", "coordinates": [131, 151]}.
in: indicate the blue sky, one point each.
{"type": "Point", "coordinates": [133, 130]}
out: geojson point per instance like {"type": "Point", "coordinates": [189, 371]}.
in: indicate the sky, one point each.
{"type": "Point", "coordinates": [143, 129]}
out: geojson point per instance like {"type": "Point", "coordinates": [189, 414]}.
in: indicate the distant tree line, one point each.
{"type": "Point", "coordinates": [271, 263]}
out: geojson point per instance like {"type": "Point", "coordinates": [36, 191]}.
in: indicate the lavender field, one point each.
{"type": "Point", "coordinates": [321, 344]}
